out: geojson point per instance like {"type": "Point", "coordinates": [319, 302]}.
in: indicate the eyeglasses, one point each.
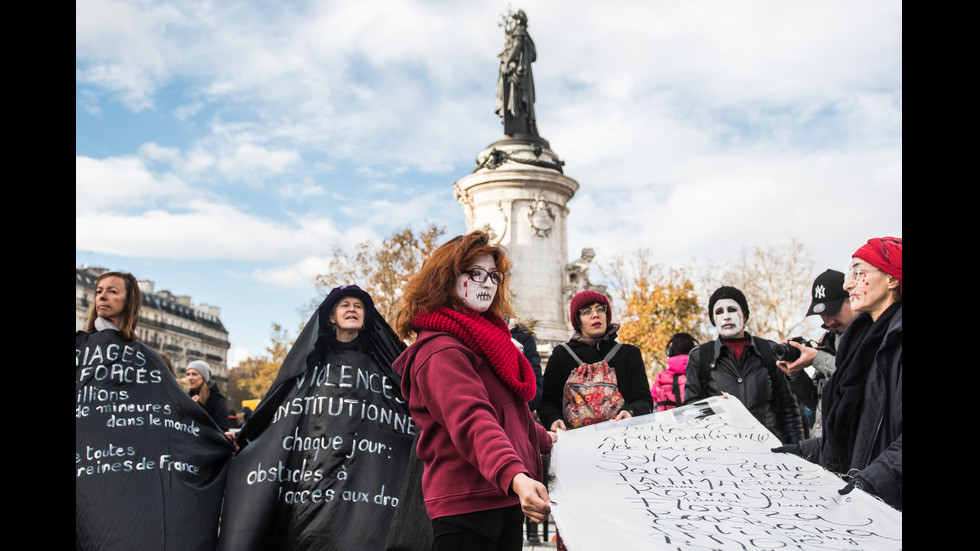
{"type": "Point", "coordinates": [587, 311]}
{"type": "Point", "coordinates": [480, 275]}
{"type": "Point", "coordinates": [857, 273]}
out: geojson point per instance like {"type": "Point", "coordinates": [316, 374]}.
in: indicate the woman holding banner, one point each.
{"type": "Point", "coordinates": [323, 455]}
{"type": "Point", "coordinates": [467, 387]}
{"type": "Point", "coordinates": [862, 401]}
{"type": "Point", "coordinates": [593, 378]}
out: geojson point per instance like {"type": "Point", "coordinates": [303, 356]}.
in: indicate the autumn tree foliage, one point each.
{"type": "Point", "coordinates": [381, 269]}
{"type": "Point", "coordinates": [254, 375]}
{"type": "Point", "coordinates": [654, 302]}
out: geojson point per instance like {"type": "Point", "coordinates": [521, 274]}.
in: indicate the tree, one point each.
{"type": "Point", "coordinates": [253, 376]}
{"type": "Point", "coordinates": [382, 270]}
{"type": "Point", "coordinates": [776, 280]}
{"type": "Point", "coordinates": [655, 302]}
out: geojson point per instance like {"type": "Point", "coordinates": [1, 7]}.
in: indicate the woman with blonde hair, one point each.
{"type": "Point", "coordinates": [206, 393]}
{"type": "Point", "coordinates": [467, 387]}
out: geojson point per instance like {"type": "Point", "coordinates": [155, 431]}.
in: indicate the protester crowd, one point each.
{"type": "Point", "coordinates": [472, 462]}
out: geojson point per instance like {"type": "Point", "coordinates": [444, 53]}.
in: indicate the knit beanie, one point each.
{"type": "Point", "coordinates": [727, 292]}
{"type": "Point", "coordinates": [337, 293]}
{"type": "Point", "coordinates": [201, 367]}
{"type": "Point", "coordinates": [884, 253]}
{"type": "Point", "coordinates": [583, 299]}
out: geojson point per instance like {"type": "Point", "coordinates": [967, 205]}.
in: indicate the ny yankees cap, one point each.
{"type": "Point", "coordinates": [828, 294]}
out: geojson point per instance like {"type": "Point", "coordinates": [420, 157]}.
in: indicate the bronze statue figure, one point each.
{"type": "Point", "coordinates": [515, 83]}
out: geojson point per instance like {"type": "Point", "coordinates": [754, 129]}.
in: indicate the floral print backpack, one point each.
{"type": "Point", "coordinates": [591, 393]}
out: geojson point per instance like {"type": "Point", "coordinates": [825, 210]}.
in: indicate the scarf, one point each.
{"type": "Point", "coordinates": [612, 330]}
{"type": "Point", "coordinates": [489, 338]}
{"type": "Point", "coordinates": [843, 395]}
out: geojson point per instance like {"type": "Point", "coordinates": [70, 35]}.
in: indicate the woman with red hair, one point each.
{"type": "Point", "coordinates": [467, 388]}
{"type": "Point", "coordinates": [862, 400]}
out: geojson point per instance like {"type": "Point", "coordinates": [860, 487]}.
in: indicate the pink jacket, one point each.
{"type": "Point", "coordinates": [663, 387]}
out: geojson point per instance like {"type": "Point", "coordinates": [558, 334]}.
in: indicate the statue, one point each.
{"type": "Point", "coordinates": [515, 83]}
{"type": "Point", "coordinates": [577, 278]}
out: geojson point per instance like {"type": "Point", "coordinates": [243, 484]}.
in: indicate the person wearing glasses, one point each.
{"type": "Point", "coordinates": [565, 405]}
{"type": "Point", "coordinates": [467, 387]}
{"type": "Point", "coordinates": [862, 401]}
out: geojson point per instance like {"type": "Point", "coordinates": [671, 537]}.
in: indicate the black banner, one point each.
{"type": "Point", "coordinates": [150, 464]}
{"type": "Point", "coordinates": [326, 453]}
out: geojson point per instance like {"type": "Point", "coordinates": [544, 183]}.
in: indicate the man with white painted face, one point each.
{"type": "Point", "coordinates": [830, 302]}
{"type": "Point", "coordinates": [744, 367]}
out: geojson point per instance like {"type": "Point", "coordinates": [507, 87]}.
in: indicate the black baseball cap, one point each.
{"type": "Point", "coordinates": [827, 294]}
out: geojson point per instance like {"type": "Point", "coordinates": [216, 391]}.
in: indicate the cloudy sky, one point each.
{"type": "Point", "coordinates": [223, 149]}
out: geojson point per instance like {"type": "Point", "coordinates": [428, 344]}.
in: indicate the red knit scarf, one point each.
{"type": "Point", "coordinates": [488, 338]}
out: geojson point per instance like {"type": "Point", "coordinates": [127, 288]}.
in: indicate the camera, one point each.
{"type": "Point", "coordinates": [786, 353]}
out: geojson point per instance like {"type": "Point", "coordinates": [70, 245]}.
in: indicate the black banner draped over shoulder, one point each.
{"type": "Point", "coordinates": [326, 451]}
{"type": "Point", "coordinates": [150, 464]}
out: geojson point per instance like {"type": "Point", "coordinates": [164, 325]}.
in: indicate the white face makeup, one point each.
{"type": "Point", "coordinates": [729, 319]}
{"type": "Point", "coordinates": [477, 296]}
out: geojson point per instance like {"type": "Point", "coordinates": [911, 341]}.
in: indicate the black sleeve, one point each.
{"type": "Point", "coordinates": [555, 375]}
{"type": "Point", "coordinates": [531, 353]}
{"type": "Point", "coordinates": [787, 410]}
{"type": "Point", "coordinates": [637, 395]}
{"type": "Point", "coordinates": [220, 414]}
{"type": "Point", "coordinates": [804, 389]}
{"type": "Point", "coordinates": [692, 388]}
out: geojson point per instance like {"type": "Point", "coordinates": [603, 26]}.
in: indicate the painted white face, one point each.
{"type": "Point", "coordinates": [729, 319]}
{"type": "Point", "coordinates": [477, 296]}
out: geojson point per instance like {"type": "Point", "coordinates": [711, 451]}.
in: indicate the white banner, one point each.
{"type": "Point", "coordinates": [703, 476]}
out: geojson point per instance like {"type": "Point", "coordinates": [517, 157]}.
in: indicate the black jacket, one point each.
{"type": "Point", "coordinates": [631, 377]}
{"type": "Point", "coordinates": [531, 353]}
{"type": "Point", "coordinates": [877, 455]}
{"type": "Point", "coordinates": [763, 391]}
{"type": "Point", "coordinates": [217, 407]}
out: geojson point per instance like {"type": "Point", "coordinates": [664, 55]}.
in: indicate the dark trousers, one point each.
{"type": "Point", "coordinates": [493, 530]}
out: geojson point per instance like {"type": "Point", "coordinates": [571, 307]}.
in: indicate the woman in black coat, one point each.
{"type": "Point", "coordinates": [593, 340]}
{"type": "Point", "coordinates": [205, 392]}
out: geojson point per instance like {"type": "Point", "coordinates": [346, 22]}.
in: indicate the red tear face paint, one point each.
{"type": "Point", "coordinates": [483, 291]}
{"type": "Point", "coordinates": [729, 318]}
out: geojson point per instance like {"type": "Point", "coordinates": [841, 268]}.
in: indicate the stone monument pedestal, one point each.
{"type": "Point", "coordinates": [518, 194]}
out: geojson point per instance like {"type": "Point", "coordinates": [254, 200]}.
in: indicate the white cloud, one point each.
{"type": "Point", "coordinates": [120, 184]}
{"type": "Point", "coordinates": [272, 134]}
{"type": "Point", "coordinates": [298, 275]}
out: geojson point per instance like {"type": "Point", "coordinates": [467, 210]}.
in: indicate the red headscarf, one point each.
{"type": "Point", "coordinates": [884, 253]}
